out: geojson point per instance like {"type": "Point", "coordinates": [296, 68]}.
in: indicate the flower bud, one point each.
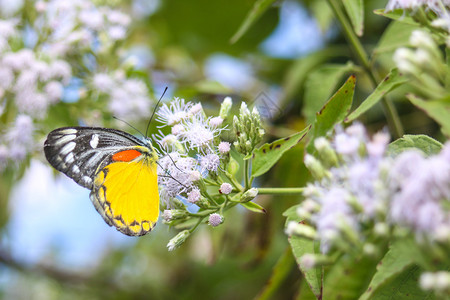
{"type": "Point", "coordinates": [174, 214]}
{"type": "Point", "coordinates": [178, 240]}
{"type": "Point", "coordinates": [225, 107]}
{"type": "Point", "coordinates": [309, 261]}
{"type": "Point", "coordinates": [315, 167]}
{"type": "Point", "coordinates": [326, 152]}
{"type": "Point", "coordinates": [249, 195]}
{"type": "Point", "coordinates": [302, 230]}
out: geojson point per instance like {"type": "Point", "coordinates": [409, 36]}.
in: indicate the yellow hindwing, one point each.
{"type": "Point", "coordinates": [126, 195]}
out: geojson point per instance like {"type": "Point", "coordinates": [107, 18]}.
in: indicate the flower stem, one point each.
{"type": "Point", "coordinates": [278, 191]}
{"type": "Point", "coordinates": [246, 173]}
{"type": "Point", "coordinates": [389, 109]}
{"type": "Point", "coordinates": [196, 225]}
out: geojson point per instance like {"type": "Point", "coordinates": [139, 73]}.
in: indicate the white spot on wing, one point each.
{"type": "Point", "coordinates": [69, 158]}
{"type": "Point", "coordinates": [68, 148]}
{"type": "Point", "coordinates": [75, 169]}
{"type": "Point", "coordinates": [86, 179]}
{"type": "Point", "coordinates": [68, 131]}
{"type": "Point", "coordinates": [94, 141]}
{"type": "Point", "coordinates": [65, 138]}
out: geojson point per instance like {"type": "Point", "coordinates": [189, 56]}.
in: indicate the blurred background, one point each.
{"type": "Point", "coordinates": [53, 243]}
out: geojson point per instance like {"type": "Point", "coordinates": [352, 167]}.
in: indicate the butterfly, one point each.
{"type": "Point", "coordinates": [119, 169]}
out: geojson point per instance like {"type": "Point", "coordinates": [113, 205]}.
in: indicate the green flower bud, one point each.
{"type": "Point", "coordinates": [249, 195]}
{"type": "Point", "coordinates": [315, 167]}
{"type": "Point", "coordinates": [309, 261]}
{"type": "Point", "coordinates": [248, 129]}
{"type": "Point", "coordinates": [326, 152]}
{"type": "Point", "coordinates": [178, 240]}
{"type": "Point", "coordinates": [302, 230]}
{"type": "Point", "coordinates": [174, 214]}
{"type": "Point", "coordinates": [225, 107]}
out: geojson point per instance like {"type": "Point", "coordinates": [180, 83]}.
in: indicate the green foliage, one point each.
{"type": "Point", "coordinates": [267, 155]}
{"type": "Point", "coordinates": [301, 246]}
{"type": "Point", "coordinates": [390, 82]}
{"type": "Point", "coordinates": [355, 11]}
{"type": "Point", "coordinates": [439, 110]}
{"type": "Point", "coordinates": [257, 10]}
{"type": "Point", "coordinates": [320, 85]}
{"type": "Point", "coordinates": [396, 274]}
{"type": "Point", "coordinates": [428, 145]}
{"type": "Point", "coordinates": [334, 111]}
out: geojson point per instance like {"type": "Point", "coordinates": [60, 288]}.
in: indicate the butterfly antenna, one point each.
{"type": "Point", "coordinates": [169, 175]}
{"type": "Point", "coordinates": [154, 110]}
{"type": "Point", "coordinates": [114, 117]}
{"type": "Point", "coordinates": [168, 154]}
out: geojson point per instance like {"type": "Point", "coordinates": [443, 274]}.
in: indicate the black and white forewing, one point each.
{"type": "Point", "coordinates": [78, 152]}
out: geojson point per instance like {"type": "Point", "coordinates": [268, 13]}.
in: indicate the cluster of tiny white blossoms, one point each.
{"type": "Point", "coordinates": [17, 140]}
{"type": "Point", "coordinates": [128, 98]}
{"type": "Point", "coordinates": [56, 54]}
{"type": "Point", "coordinates": [192, 149]}
{"type": "Point", "coordinates": [72, 26]}
{"type": "Point", "coordinates": [358, 186]}
{"type": "Point", "coordinates": [424, 62]}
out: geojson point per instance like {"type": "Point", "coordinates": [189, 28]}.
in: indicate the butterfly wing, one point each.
{"type": "Point", "coordinates": [79, 152]}
{"type": "Point", "coordinates": [126, 195]}
{"type": "Point", "coordinates": [117, 167]}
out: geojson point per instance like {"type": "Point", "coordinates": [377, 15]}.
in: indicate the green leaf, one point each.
{"type": "Point", "coordinates": [279, 275]}
{"type": "Point", "coordinates": [320, 85]}
{"type": "Point", "coordinates": [301, 246]}
{"type": "Point", "coordinates": [268, 154]}
{"type": "Point", "coordinates": [396, 275]}
{"type": "Point", "coordinates": [258, 9]}
{"type": "Point", "coordinates": [322, 13]}
{"type": "Point", "coordinates": [395, 36]}
{"type": "Point", "coordinates": [428, 145]}
{"type": "Point", "coordinates": [335, 110]}
{"type": "Point", "coordinates": [349, 277]}
{"type": "Point", "coordinates": [396, 14]}
{"type": "Point", "coordinates": [254, 207]}
{"type": "Point", "coordinates": [390, 82]}
{"type": "Point", "coordinates": [355, 11]}
{"type": "Point", "coordinates": [405, 286]}
{"type": "Point", "coordinates": [438, 110]}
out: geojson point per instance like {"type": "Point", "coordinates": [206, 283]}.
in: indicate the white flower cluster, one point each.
{"type": "Point", "coordinates": [357, 184]}
{"type": "Point", "coordinates": [17, 141]}
{"type": "Point", "coordinates": [128, 97]}
{"type": "Point", "coordinates": [191, 149]}
{"type": "Point", "coordinates": [424, 57]}
{"type": "Point", "coordinates": [75, 25]}
{"type": "Point", "coordinates": [420, 188]}
{"type": "Point", "coordinates": [41, 58]}
{"type": "Point", "coordinates": [36, 83]}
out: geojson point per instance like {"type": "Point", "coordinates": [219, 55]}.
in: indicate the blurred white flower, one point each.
{"type": "Point", "coordinates": [19, 138]}
{"type": "Point", "coordinates": [129, 100]}
{"type": "Point", "coordinates": [54, 91]}
{"type": "Point", "coordinates": [419, 187]}
{"type": "Point", "coordinates": [103, 82]}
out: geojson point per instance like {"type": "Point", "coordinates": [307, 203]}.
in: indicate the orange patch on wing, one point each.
{"type": "Point", "coordinates": [126, 156]}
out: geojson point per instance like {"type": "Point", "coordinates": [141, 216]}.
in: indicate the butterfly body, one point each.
{"type": "Point", "coordinates": [118, 168]}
